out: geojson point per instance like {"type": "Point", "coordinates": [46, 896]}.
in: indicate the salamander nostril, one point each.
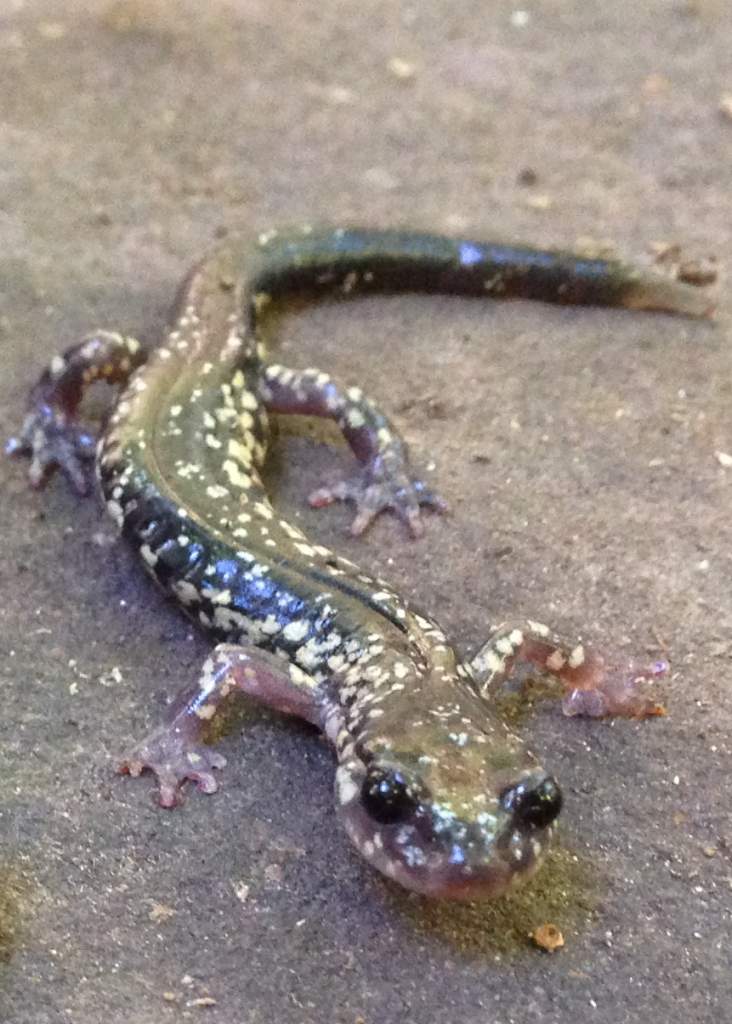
{"type": "Point", "coordinates": [534, 802]}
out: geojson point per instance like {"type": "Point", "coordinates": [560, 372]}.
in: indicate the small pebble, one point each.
{"type": "Point", "coordinates": [547, 937]}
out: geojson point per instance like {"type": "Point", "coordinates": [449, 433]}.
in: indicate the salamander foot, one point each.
{"type": "Point", "coordinates": [594, 686]}
{"type": "Point", "coordinates": [374, 491]}
{"type": "Point", "coordinates": [173, 761]}
{"type": "Point", "coordinates": [53, 442]}
{"type": "Point", "coordinates": [612, 690]}
{"type": "Point", "coordinates": [50, 434]}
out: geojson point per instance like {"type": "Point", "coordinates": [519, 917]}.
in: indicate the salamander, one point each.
{"type": "Point", "coordinates": [431, 786]}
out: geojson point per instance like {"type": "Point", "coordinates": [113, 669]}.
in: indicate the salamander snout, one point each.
{"type": "Point", "coordinates": [534, 802]}
{"type": "Point", "coordinates": [434, 829]}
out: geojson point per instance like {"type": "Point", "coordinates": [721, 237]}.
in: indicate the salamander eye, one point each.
{"type": "Point", "coordinates": [535, 803]}
{"type": "Point", "coordinates": [386, 796]}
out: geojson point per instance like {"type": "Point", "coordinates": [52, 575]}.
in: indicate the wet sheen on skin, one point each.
{"type": "Point", "coordinates": [431, 786]}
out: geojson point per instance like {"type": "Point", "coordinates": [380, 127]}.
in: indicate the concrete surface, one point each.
{"type": "Point", "coordinates": [577, 449]}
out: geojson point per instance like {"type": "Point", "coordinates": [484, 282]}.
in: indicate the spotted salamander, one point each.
{"type": "Point", "coordinates": [431, 786]}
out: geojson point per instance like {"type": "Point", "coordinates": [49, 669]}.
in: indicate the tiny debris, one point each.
{"type": "Point", "coordinates": [520, 19]}
{"type": "Point", "coordinates": [402, 69]}
{"type": "Point", "coordinates": [170, 997]}
{"type": "Point", "coordinates": [111, 678]}
{"type": "Point", "coordinates": [539, 202]}
{"type": "Point", "coordinates": [274, 874]}
{"type": "Point", "coordinates": [241, 891]}
{"type": "Point", "coordinates": [725, 106]}
{"type": "Point", "coordinates": [665, 252]}
{"type": "Point", "coordinates": [202, 1001]}
{"type": "Point", "coordinates": [698, 272]}
{"type": "Point", "coordinates": [161, 912]}
{"type": "Point", "coordinates": [547, 937]}
{"type": "Point", "coordinates": [528, 177]}
{"type": "Point", "coordinates": [709, 851]}
{"type": "Point", "coordinates": [724, 459]}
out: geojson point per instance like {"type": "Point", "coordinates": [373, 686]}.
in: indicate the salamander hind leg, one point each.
{"type": "Point", "coordinates": [175, 751]}
{"type": "Point", "coordinates": [51, 435]}
{"type": "Point", "coordinates": [385, 480]}
{"type": "Point", "coordinates": [594, 686]}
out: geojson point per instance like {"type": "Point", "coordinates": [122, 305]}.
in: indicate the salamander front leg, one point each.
{"type": "Point", "coordinates": [385, 480]}
{"type": "Point", "coordinates": [175, 751]}
{"type": "Point", "coordinates": [50, 434]}
{"type": "Point", "coordinates": [594, 687]}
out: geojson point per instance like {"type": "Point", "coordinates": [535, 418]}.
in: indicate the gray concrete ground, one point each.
{"type": "Point", "coordinates": [577, 449]}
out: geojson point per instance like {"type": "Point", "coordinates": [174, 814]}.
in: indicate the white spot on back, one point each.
{"type": "Point", "coordinates": [297, 630]}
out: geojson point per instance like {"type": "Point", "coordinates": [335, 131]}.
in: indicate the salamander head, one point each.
{"type": "Point", "coordinates": [463, 821]}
